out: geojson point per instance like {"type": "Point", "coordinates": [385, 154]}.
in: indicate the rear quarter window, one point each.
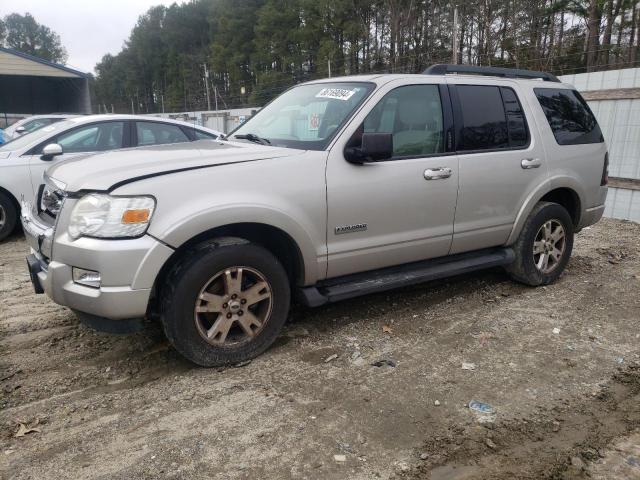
{"type": "Point", "coordinates": [569, 116]}
{"type": "Point", "coordinates": [200, 135]}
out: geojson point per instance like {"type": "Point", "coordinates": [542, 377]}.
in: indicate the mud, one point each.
{"type": "Point", "coordinates": [566, 404]}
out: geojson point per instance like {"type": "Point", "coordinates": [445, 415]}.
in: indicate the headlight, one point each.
{"type": "Point", "coordinates": [52, 196]}
{"type": "Point", "coordinates": [103, 216]}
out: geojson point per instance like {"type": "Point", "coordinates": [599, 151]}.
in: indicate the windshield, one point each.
{"type": "Point", "coordinates": [30, 138]}
{"type": "Point", "coordinates": [307, 116]}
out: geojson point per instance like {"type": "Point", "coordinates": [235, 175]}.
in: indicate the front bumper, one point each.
{"type": "Point", "coordinates": [128, 269]}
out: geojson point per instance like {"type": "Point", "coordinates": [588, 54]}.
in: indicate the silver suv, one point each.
{"type": "Point", "coordinates": [337, 188]}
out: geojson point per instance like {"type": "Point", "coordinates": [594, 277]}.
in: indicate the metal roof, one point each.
{"type": "Point", "coordinates": [23, 68]}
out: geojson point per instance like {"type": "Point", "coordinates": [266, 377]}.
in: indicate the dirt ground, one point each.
{"type": "Point", "coordinates": [559, 366]}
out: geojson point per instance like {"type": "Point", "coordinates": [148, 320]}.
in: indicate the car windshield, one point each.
{"type": "Point", "coordinates": [30, 138]}
{"type": "Point", "coordinates": [305, 117]}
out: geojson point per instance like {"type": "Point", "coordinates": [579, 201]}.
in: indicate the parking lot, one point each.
{"type": "Point", "coordinates": [376, 387]}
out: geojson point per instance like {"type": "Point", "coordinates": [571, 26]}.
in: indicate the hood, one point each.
{"type": "Point", "coordinates": [106, 171]}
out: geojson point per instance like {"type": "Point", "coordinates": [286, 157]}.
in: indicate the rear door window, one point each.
{"type": "Point", "coordinates": [484, 123]}
{"type": "Point", "coordinates": [569, 116]}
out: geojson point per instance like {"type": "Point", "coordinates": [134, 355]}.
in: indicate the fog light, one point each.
{"type": "Point", "coordinates": [86, 277]}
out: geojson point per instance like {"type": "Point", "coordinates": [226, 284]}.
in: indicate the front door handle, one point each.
{"type": "Point", "coordinates": [437, 173]}
{"type": "Point", "coordinates": [528, 163]}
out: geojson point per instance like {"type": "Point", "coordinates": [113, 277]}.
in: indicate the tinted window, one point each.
{"type": "Point", "coordinates": [516, 123]}
{"type": "Point", "coordinates": [92, 138]}
{"type": "Point", "coordinates": [200, 135]}
{"type": "Point", "coordinates": [413, 114]}
{"type": "Point", "coordinates": [155, 133]}
{"type": "Point", "coordinates": [484, 124]}
{"type": "Point", "coordinates": [569, 116]}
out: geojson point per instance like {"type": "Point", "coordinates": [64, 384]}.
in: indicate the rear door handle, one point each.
{"type": "Point", "coordinates": [528, 163]}
{"type": "Point", "coordinates": [437, 173]}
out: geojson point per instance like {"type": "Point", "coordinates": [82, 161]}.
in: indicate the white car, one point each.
{"type": "Point", "coordinates": [31, 124]}
{"type": "Point", "coordinates": [24, 159]}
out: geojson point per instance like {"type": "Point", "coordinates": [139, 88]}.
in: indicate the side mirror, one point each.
{"type": "Point", "coordinates": [50, 151]}
{"type": "Point", "coordinates": [20, 130]}
{"type": "Point", "coordinates": [375, 147]}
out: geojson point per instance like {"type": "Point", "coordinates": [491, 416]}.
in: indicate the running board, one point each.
{"type": "Point", "coordinates": [357, 284]}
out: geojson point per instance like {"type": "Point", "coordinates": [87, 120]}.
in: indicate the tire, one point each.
{"type": "Point", "coordinates": [524, 269]}
{"type": "Point", "coordinates": [199, 329]}
{"type": "Point", "coordinates": [8, 216]}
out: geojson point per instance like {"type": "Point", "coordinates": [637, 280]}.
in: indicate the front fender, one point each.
{"type": "Point", "coordinates": [184, 229]}
{"type": "Point", "coordinates": [287, 193]}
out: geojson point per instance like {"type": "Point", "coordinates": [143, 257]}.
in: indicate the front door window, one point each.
{"type": "Point", "coordinates": [413, 114]}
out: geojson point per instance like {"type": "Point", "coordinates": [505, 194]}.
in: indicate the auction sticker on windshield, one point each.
{"type": "Point", "coordinates": [335, 93]}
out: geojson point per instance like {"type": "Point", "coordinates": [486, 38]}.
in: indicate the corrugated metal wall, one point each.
{"type": "Point", "coordinates": [620, 123]}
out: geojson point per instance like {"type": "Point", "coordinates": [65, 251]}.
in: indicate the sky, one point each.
{"type": "Point", "coordinates": [88, 29]}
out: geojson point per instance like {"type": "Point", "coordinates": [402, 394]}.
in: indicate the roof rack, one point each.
{"type": "Point", "coordinates": [442, 69]}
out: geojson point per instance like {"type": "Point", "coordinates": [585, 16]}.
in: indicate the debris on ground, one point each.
{"type": "Point", "coordinates": [25, 430]}
{"type": "Point", "coordinates": [330, 358]}
{"type": "Point", "coordinates": [242, 364]}
{"type": "Point", "coordinates": [384, 362]}
{"type": "Point", "coordinates": [481, 407]}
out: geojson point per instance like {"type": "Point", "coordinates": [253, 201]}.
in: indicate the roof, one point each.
{"type": "Point", "coordinates": [13, 62]}
{"type": "Point", "coordinates": [444, 68]}
{"type": "Point", "coordinates": [381, 79]}
{"type": "Point", "coordinates": [82, 119]}
{"type": "Point", "coordinates": [457, 73]}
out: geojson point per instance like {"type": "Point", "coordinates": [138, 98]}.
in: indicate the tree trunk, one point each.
{"type": "Point", "coordinates": [503, 32]}
{"type": "Point", "coordinates": [593, 35]}
{"type": "Point", "coordinates": [612, 14]}
{"type": "Point", "coordinates": [621, 28]}
{"type": "Point", "coordinates": [632, 39]}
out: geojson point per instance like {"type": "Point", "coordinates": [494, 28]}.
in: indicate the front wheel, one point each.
{"type": "Point", "coordinates": [225, 302]}
{"type": "Point", "coordinates": [544, 246]}
{"type": "Point", "coordinates": [8, 216]}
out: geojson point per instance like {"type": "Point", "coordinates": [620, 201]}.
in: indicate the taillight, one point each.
{"type": "Point", "coordinates": [605, 170]}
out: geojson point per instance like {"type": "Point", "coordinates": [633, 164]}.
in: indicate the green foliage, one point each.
{"type": "Point", "coordinates": [23, 33]}
{"type": "Point", "coordinates": [255, 49]}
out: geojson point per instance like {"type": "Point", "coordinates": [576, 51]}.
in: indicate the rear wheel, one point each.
{"type": "Point", "coordinates": [544, 246]}
{"type": "Point", "coordinates": [225, 303]}
{"type": "Point", "coordinates": [8, 216]}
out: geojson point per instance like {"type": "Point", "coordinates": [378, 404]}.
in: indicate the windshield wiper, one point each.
{"type": "Point", "coordinates": [252, 137]}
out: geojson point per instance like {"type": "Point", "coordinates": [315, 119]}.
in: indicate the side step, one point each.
{"type": "Point", "coordinates": [349, 286]}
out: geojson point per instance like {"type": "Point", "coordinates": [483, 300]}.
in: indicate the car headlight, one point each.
{"type": "Point", "coordinates": [51, 200]}
{"type": "Point", "coordinates": [52, 196]}
{"type": "Point", "coordinates": [104, 216]}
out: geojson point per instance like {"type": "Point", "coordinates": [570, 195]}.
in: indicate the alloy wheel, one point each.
{"type": "Point", "coordinates": [549, 246]}
{"type": "Point", "coordinates": [233, 306]}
